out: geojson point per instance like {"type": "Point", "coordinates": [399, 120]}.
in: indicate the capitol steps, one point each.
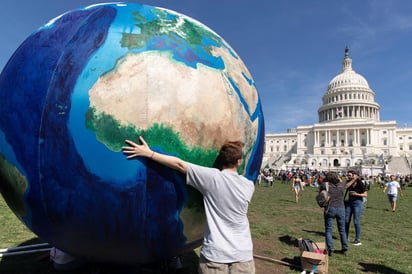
{"type": "Point", "coordinates": [276, 161]}
{"type": "Point", "coordinates": [399, 165]}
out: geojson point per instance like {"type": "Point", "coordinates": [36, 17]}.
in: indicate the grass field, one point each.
{"type": "Point", "coordinates": [276, 222]}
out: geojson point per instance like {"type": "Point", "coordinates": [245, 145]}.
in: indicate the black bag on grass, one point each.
{"type": "Point", "coordinates": [307, 245]}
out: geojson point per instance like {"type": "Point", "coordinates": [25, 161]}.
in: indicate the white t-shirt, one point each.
{"type": "Point", "coordinates": [393, 187]}
{"type": "Point", "coordinates": [226, 196]}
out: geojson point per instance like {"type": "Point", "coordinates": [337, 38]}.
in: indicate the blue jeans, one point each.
{"type": "Point", "coordinates": [354, 208]}
{"type": "Point", "coordinates": [337, 213]}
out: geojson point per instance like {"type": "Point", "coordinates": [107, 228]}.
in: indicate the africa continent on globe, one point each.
{"type": "Point", "coordinates": [91, 78]}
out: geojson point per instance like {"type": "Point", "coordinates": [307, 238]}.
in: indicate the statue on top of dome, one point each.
{"type": "Point", "coordinates": [346, 52]}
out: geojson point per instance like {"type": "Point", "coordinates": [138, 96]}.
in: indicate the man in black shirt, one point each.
{"type": "Point", "coordinates": [354, 204]}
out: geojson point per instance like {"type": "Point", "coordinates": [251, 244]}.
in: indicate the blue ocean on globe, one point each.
{"type": "Point", "coordinates": [89, 79]}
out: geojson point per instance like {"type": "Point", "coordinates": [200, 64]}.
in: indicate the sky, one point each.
{"type": "Point", "coordinates": [292, 48]}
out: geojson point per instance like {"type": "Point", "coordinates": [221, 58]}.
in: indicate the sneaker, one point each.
{"type": "Point", "coordinates": [357, 242]}
{"type": "Point", "coordinates": [329, 252]}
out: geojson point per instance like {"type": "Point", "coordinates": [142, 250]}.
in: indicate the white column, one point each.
{"type": "Point", "coordinates": [346, 138]}
{"type": "Point", "coordinates": [367, 137]}
{"type": "Point", "coordinates": [327, 135]}
{"type": "Point", "coordinates": [356, 137]}
{"type": "Point", "coordinates": [330, 137]}
{"type": "Point", "coordinates": [373, 137]}
{"type": "Point", "coordinates": [314, 138]}
{"type": "Point", "coordinates": [337, 138]}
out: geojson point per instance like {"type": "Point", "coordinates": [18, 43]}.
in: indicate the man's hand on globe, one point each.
{"type": "Point", "coordinates": [135, 150]}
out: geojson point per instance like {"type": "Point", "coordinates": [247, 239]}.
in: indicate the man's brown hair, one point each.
{"type": "Point", "coordinates": [353, 172]}
{"type": "Point", "coordinates": [229, 154]}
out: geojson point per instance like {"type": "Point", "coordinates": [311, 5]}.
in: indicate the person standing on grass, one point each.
{"type": "Point", "coordinates": [393, 188]}
{"type": "Point", "coordinates": [354, 205]}
{"type": "Point", "coordinates": [269, 178]}
{"type": "Point", "coordinates": [335, 210]}
{"type": "Point", "coordinates": [259, 178]}
{"type": "Point", "coordinates": [227, 242]}
{"type": "Point", "coordinates": [296, 186]}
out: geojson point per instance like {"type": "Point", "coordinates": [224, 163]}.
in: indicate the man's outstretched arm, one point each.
{"type": "Point", "coordinates": [143, 150]}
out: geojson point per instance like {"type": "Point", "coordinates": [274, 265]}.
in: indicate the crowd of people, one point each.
{"type": "Point", "coordinates": [347, 192]}
{"type": "Point", "coordinates": [314, 177]}
{"type": "Point", "coordinates": [306, 176]}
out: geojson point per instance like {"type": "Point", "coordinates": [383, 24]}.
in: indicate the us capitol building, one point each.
{"type": "Point", "coordinates": [349, 134]}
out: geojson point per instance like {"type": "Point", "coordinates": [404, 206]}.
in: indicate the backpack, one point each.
{"type": "Point", "coordinates": [307, 245]}
{"type": "Point", "coordinates": [323, 196]}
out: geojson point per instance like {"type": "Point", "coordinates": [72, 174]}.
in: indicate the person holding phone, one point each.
{"type": "Point", "coordinates": [354, 204]}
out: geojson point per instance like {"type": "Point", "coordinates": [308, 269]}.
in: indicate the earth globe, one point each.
{"type": "Point", "coordinates": [92, 77]}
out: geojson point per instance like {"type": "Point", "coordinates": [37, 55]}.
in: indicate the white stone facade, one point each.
{"type": "Point", "coordinates": [349, 133]}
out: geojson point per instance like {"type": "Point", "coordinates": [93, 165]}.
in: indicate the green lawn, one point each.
{"type": "Point", "coordinates": [276, 222]}
{"type": "Point", "coordinates": [386, 236]}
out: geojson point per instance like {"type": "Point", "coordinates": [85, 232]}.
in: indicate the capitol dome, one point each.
{"type": "Point", "coordinates": [348, 97]}
{"type": "Point", "coordinates": [348, 77]}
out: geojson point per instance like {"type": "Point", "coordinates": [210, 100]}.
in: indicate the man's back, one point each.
{"type": "Point", "coordinates": [226, 197]}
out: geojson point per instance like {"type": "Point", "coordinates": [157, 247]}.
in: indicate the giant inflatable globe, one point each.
{"type": "Point", "coordinates": [91, 78]}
